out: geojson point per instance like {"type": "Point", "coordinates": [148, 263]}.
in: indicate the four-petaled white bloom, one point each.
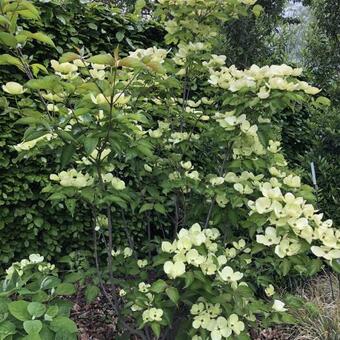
{"type": "Point", "coordinates": [279, 306]}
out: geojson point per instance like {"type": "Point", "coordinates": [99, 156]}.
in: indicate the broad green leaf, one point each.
{"type": "Point", "coordinates": [91, 293]}
{"type": "Point", "coordinates": [66, 136]}
{"type": "Point", "coordinates": [68, 56]}
{"type": "Point", "coordinates": [49, 282]}
{"type": "Point", "coordinates": [40, 36]}
{"type": "Point", "coordinates": [73, 277]}
{"type": "Point", "coordinates": [30, 7]}
{"type": "Point", "coordinates": [146, 207]}
{"type": "Point", "coordinates": [62, 323]}
{"type": "Point", "coordinates": [4, 20]}
{"type": "Point", "coordinates": [46, 333]}
{"type": "Point", "coordinates": [131, 62]}
{"type": "Point", "coordinates": [160, 208]}
{"type": "Point", "coordinates": [285, 267]}
{"type": "Point", "coordinates": [8, 39]}
{"type": "Point", "coordinates": [67, 154]}
{"type": "Point", "coordinates": [7, 59]}
{"type": "Point", "coordinates": [36, 68]}
{"type": "Point", "coordinates": [323, 101]}
{"type": "Point", "coordinates": [27, 14]}
{"type": "Point", "coordinates": [189, 279]}
{"type": "Point", "coordinates": [90, 143]}
{"type": "Point", "coordinates": [335, 264]}
{"type": "Point", "coordinates": [140, 4]}
{"type": "Point", "coordinates": [257, 10]}
{"type": "Point", "coordinates": [173, 294]}
{"type": "Point", "coordinates": [120, 35]}
{"type": "Point", "coordinates": [71, 205]}
{"type": "Point", "coordinates": [65, 289]}
{"type": "Point", "coordinates": [19, 310]}
{"type": "Point", "coordinates": [32, 326]}
{"type": "Point", "coordinates": [7, 328]}
{"type": "Point", "coordinates": [46, 83]}
{"type": "Point", "coordinates": [103, 59]}
{"type": "Point", "coordinates": [158, 286]}
{"type": "Point", "coordinates": [156, 328]}
{"type": "Point", "coordinates": [36, 309]}
{"type": "Point", "coordinates": [31, 121]}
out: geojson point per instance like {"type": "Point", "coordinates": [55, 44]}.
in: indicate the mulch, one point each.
{"type": "Point", "coordinates": [96, 321]}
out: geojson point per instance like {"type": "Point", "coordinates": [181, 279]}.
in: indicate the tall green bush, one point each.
{"type": "Point", "coordinates": [28, 221]}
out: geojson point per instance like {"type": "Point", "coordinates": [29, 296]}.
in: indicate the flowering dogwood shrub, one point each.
{"type": "Point", "coordinates": [178, 133]}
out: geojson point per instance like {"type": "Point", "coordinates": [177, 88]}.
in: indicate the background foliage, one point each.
{"type": "Point", "coordinates": [28, 222]}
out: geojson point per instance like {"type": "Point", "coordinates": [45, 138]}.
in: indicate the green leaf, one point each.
{"type": "Point", "coordinates": [4, 20]}
{"type": "Point", "coordinates": [65, 135]}
{"type": "Point", "coordinates": [31, 121]}
{"type": "Point", "coordinates": [120, 35]}
{"type": "Point", "coordinates": [139, 5]}
{"type": "Point", "coordinates": [50, 282]}
{"type": "Point", "coordinates": [285, 267]}
{"type": "Point", "coordinates": [67, 154]}
{"type": "Point", "coordinates": [156, 328]}
{"type": "Point", "coordinates": [27, 14]}
{"type": "Point", "coordinates": [160, 208]}
{"type": "Point", "coordinates": [323, 101]}
{"type": "Point", "coordinates": [8, 39]}
{"type": "Point", "coordinates": [158, 286]}
{"type": "Point", "coordinates": [73, 277]}
{"type": "Point", "coordinates": [62, 323]}
{"type": "Point", "coordinates": [65, 289]}
{"type": "Point", "coordinates": [91, 292]}
{"type": "Point", "coordinates": [7, 59]}
{"type": "Point", "coordinates": [189, 279]}
{"type": "Point", "coordinates": [46, 333]}
{"type": "Point", "coordinates": [46, 83]}
{"type": "Point", "coordinates": [146, 207]}
{"type": "Point", "coordinates": [36, 68]}
{"type": "Point", "coordinates": [30, 7]}
{"type": "Point", "coordinates": [173, 294]}
{"type": "Point", "coordinates": [62, 335]}
{"type": "Point", "coordinates": [40, 36]}
{"type": "Point", "coordinates": [257, 10]}
{"type": "Point", "coordinates": [36, 309]}
{"type": "Point", "coordinates": [71, 205]}
{"type": "Point", "coordinates": [7, 328]}
{"type": "Point", "coordinates": [335, 264]}
{"type": "Point", "coordinates": [68, 56]}
{"type": "Point", "coordinates": [103, 59]}
{"type": "Point", "coordinates": [32, 326]}
{"type": "Point", "coordinates": [19, 310]}
{"type": "Point", "coordinates": [90, 143]}
{"type": "Point", "coordinates": [131, 62]}
{"type": "Point", "coordinates": [51, 312]}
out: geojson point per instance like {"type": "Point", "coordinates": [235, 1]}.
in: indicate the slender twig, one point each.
{"type": "Point", "coordinates": [212, 204]}
{"type": "Point", "coordinates": [149, 235]}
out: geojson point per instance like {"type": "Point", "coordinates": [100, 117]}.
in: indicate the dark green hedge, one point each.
{"type": "Point", "coordinates": [28, 222]}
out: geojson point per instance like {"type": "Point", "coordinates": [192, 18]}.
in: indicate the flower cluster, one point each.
{"type": "Point", "coordinates": [72, 178]}
{"type": "Point", "coordinates": [209, 317]}
{"type": "Point", "coordinates": [126, 252]}
{"type": "Point", "coordinates": [211, 260]}
{"type": "Point", "coordinates": [260, 79]}
{"type": "Point", "coordinates": [33, 259]}
{"type": "Point", "coordinates": [292, 220]}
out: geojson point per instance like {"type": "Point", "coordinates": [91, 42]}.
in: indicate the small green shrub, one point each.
{"type": "Point", "coordinates": [32, 302]}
